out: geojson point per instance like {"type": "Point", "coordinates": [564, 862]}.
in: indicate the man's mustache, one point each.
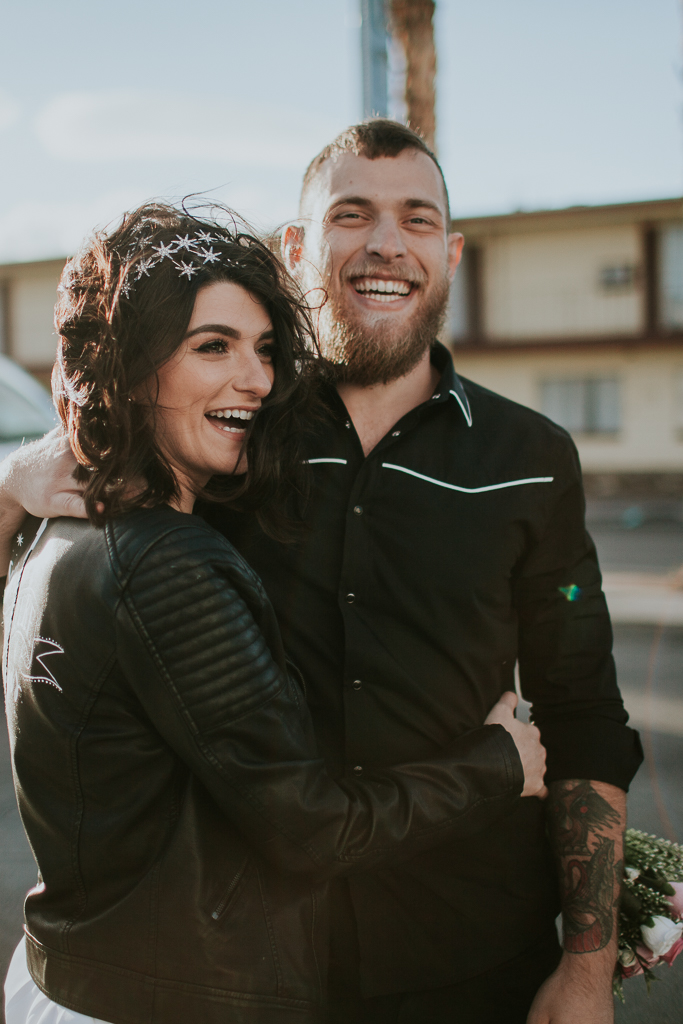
{"type": "Point", "coordinates": [368, 268]}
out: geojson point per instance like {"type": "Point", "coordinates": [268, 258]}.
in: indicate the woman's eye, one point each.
{"type": "Point", "coordinates": [217, 345]}
{"type": "Point", "coordinates": [266, 352]}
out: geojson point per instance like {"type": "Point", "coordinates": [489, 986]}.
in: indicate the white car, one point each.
{"type": "Point", "coordinates": [26, 409]}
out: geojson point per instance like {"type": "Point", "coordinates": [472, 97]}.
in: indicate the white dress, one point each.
{"type": "Point", "coordinates": [26, 1004]}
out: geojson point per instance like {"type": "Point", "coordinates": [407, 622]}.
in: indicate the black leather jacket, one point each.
{"type": "Point", "coordinates": [168, 781]}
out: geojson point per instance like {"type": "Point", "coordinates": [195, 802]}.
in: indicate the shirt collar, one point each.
{"type": "Point", "coordinates": [449, 386]}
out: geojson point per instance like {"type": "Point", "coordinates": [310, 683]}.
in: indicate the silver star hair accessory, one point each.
{"type": "Point", "coordinates": [187, 270]}
{"type": "Point", "coordinates": [185, 243]}
{"type": "Point", "coordinates": [209, 255]}
{"type": "Point", "coordinates": [144, 267]}
{"type": "Point", "coordinates": [165, 250]}
{"type": "Point", "coordinates": [206, 238]}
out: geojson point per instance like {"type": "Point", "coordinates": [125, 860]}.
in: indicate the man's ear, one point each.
{"type": "Point", "coordinates": [455, 244]}
{"type": "Point", "coordinates": [292, 246]}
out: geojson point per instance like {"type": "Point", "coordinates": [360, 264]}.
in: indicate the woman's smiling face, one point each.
{"type": "Point", "coordinates": [213, 385]}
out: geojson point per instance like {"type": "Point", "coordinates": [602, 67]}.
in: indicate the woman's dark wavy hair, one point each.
{"type": "Point", "coordinates": [119, 318]}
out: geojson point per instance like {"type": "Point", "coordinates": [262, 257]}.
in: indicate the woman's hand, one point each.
{"type": "Point", "coordinates": [527, 740]}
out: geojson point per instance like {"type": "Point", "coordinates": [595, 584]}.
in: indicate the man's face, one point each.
{"type": "Point", "coordinates": [376, 239]}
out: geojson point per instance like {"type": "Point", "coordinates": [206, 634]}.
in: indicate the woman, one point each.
{"type": "Point", "coordinates": [165, 767]}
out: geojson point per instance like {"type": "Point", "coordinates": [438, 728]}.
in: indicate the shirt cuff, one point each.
{"type": "Point", "coordinates": [593, 748]}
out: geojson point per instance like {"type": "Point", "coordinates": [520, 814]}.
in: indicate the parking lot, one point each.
{"type": "Point", "coordinates": [649, 660]}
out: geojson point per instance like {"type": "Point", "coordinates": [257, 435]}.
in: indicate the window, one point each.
{"type": "Point", "coordinates": [582, 406]}
{"type": "Point", "coordinates": [618, 277]}
{"type": "Point", "coordinates": [671, 277]}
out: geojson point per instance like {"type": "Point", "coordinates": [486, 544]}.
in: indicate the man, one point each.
{"type": "Point", "coordinates": [445, 543]}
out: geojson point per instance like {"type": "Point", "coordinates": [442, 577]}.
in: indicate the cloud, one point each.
{"type": "Point", "coordinates": [9, 111]}
{"type": "Point", "coordinates": [35, 230]}
{"type": "Point", "coordinates": [135, 125]}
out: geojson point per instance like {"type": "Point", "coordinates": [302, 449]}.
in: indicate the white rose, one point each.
{"type": "Point", "coordinates": [632, 873]}
{"type": "Point", "coordinates": [662, 935]}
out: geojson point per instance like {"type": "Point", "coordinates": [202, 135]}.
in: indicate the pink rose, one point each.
{"type": "Point", "coordinates": [673, 952]}
{"type": "Point", "coordinates": [676, 900]}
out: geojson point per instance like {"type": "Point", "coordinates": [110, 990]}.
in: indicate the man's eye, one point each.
{"type": "Point", "coordinates": [217, 345]}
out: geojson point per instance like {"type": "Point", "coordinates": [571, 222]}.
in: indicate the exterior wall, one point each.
{"type": "Point", "coordinates": [650, 439]}
{"type": "Point", "coordinates": [29, 292]}
{"type": "Point", "coordinates": [550, 284]}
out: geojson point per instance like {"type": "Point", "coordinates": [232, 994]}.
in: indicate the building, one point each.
{"type": "Point", "coordinates": [578, 313]}
{"type": "Point", "coordinates": [28, 292]}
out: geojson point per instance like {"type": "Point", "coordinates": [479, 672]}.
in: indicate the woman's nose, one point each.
{"type": "Point", "coordinates": [254, 376]}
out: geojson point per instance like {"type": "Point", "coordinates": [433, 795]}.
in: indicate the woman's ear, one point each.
{"type": "Point", "coordinates": [292, 246]}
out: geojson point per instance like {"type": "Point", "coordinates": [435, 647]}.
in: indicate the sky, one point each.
{"type": "Point", "coordinates": [540, 104]}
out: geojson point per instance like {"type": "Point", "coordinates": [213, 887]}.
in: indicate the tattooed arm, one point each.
{"type": "Point", "coordinates": [587, 822]}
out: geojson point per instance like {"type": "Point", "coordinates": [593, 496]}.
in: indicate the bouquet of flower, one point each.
{"type": "Point", "coordinates": [651, 913]}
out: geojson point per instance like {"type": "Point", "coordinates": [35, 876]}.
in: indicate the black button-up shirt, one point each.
{"type": "Point", "coordinates": [455, 549]}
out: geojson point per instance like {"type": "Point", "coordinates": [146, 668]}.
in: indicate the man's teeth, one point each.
{"type": "Point", "coordinates": [226, 414]}
{"type": "Point", "coordinates": [382, 290]}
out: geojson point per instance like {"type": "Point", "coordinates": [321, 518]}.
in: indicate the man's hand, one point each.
{"type": "Point", "coordinates": [38, 479]}
{"type": "Point", "coordinates": [578, 992]}
{"type": "Point", "coordinates": [527, 740]}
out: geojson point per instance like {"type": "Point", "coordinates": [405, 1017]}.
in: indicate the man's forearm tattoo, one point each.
{"type": "Point", "coordinates": [585, 830]}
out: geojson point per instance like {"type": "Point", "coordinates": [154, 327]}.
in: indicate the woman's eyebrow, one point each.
{"type": "Point", "coordinates": [228, 332]}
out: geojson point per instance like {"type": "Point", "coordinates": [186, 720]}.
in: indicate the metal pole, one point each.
{"type": "Point", "coordinates": [374, 49]}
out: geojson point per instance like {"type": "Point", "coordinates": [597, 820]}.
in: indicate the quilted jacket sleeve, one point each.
{"type": "Point", "coordinates": [191, 648]}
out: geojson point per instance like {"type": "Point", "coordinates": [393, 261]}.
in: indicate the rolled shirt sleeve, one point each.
{"type": "Point", "coordinates": [567, 671]}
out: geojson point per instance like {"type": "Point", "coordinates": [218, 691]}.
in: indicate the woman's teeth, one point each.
{"type": "Point", "coordinates": [381, 290]}
{"type": "Point", "coordinates": [226, 414]}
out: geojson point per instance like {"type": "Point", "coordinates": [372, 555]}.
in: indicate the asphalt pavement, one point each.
{"type": "Point", "coordinates": [649, 661]}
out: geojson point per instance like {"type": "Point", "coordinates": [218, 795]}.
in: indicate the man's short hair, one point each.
{"type": "Point", "coordinates": [374, 138]}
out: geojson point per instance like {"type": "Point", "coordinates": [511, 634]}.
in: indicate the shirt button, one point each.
{"type": "Point", "coordinates": [358, 770]}
{"type": "Point", "coordinates": [350, 598]}
{"type": "Point", "coordinates": [358, 509]}
{"type": "Point", "coordinates": [395, 433]}
{"type": "Point", "coordinates": [356, 684]}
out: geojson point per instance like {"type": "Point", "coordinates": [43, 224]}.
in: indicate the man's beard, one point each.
{"type": "Point", "coordinates": [374, 351]}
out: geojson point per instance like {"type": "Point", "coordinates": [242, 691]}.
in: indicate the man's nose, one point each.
{"type": "Point", "coordinates": [253, 377]}
{"type": "Point", "coordinates": [386, 240]}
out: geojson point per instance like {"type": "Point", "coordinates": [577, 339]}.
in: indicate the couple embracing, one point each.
{"type": "Point", "coordinates": [259, 657]}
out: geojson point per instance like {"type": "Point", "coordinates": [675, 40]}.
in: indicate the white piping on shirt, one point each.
{"type": "Point", "coordinates": [342, 462]}
{"type": "Point", "coordinates": [465, 408]}
{"type": "Point", "coordinates": [470, 490]}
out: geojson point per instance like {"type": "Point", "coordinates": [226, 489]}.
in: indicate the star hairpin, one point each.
{"type": "Point", "coordinates": [165, 250]}
{"type": "Point", "coordinates": [144, 267]}
{"type": "Point", "coordinates": [186, 270]}
{"type": "Point", "coordinates": [205, 237]}
{"type": "Point", "coordinates": [209, 256]}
